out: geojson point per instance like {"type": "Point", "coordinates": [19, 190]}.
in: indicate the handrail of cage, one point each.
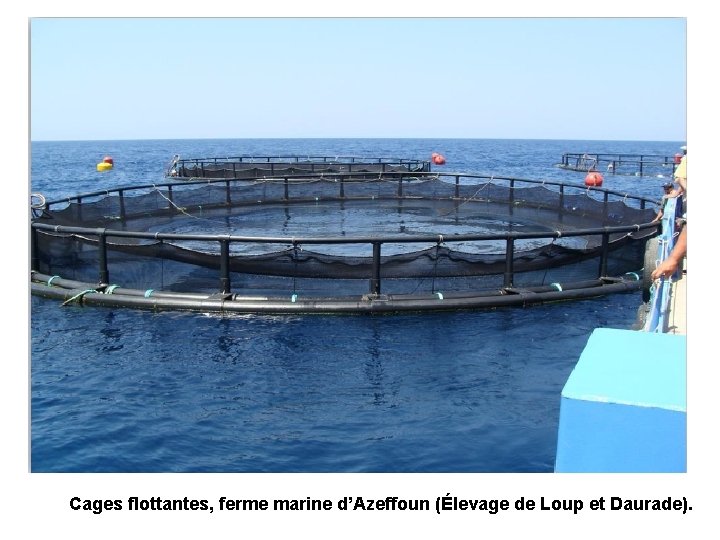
{"type": "Point", "coordinates": [319, 240]}
{"type": "Point", "coordinates": [299, 160]}
{"type": "Point", "coordinates": [386, 176]}
{"type": "Point", "coordinates": [103, 234]}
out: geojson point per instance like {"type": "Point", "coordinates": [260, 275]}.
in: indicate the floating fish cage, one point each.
{"type": "Point", "coordinates": [379, 242]}
{"type": "Point", "coordinates": [243, 167]}
{"type": "Point", "coordinates": [621, 164]}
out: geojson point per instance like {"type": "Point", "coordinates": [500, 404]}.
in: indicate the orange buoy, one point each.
{"type": "Point", "coordinates": [594, 179]}
{"type": "Point", "coordinates": [108, 159]}
{"type": "Point", "coordinates": [438, 159]}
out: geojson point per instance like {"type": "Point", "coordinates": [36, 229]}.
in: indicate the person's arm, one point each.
{"type": "Point", "coordinates": [670, 265]}
{"type": "Point", "coordinates": [682, 182]}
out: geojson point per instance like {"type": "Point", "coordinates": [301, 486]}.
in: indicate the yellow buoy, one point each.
{"type": "Point", "coordinates": [104, 166]}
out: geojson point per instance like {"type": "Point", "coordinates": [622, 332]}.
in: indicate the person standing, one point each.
{"type": "Point", "coordinates": [669, 192]}
{"type": "Point", "coordinates": [680, 173]}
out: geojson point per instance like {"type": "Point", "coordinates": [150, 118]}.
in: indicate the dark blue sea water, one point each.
{"type": "Point", "coordinates": [120, 390]}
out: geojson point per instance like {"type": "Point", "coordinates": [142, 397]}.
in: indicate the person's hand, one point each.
{"type": "Point", "coordinates": [665, 269]}
{"type": "Point", "coordinates": [671, 263]}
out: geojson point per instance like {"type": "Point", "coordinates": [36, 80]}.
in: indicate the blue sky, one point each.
{"type": "Point", "coordinates": [537, 78]}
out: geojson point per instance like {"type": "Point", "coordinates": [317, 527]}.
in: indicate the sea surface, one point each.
{"type": "Point", "coordinates": [116, 390]}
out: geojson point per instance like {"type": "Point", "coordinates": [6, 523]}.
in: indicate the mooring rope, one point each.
{"type": "Point", "coordinates": [466, 200]}
{"type": "Point", "coordinates": [78, 296]}
{"type": "Point", "coordinates": [178, 208]}
{"type": "Point", "coordinates": [182, 210]}
{"type": "Point", "coordinates": [38, 204]}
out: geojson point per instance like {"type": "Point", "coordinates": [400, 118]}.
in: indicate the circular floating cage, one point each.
{"type": "Point", "coordinates": [243, 167]}
{"type": "Point", "coordinates": [620, 164]}
{"type": "Point", "coordinates": [348, 242]}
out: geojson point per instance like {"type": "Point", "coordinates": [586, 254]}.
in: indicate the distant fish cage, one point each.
{"type": "Point", "coordinates": [621, 164]}
{"type": "Point", "coordinates": [240, 167]}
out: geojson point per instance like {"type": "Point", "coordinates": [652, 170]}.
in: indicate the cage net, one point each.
{"type": "Point", "coordinates": [326, 237]}
{"type": "Point", "coordinates": [258, 167]}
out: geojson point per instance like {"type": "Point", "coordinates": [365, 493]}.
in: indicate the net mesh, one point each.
{"type": "Point", "coordinates": [311, 236]}
{"type": "Point", "coordinates": [258, 167]}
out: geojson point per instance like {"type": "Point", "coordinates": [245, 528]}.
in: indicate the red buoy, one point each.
{"type": "Point", "coordinates": [594, 179]}
{"type": "Point", "coordinates": [678, 159]}
{"type": "Point", "coordinates": [108, 159]}
{"type": "Point", "coordinates": [438, 159]}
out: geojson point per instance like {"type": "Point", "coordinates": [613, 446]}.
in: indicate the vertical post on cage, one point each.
{"type": "Point", "coordinates": [509, 262]}
{"type": "Point", "coordinates": [225, 265]}
{"type": "Point", "coordinates": [287, 193]}
{"type": "Point", "coordinates": [604, 252]}
{"type": "Point", "coordinates": [121, 194]}
{"type": "Point", "coordinates": [104, 277]}
{"type": "Point", "coordinates": [375, 280]}
{"type": "Point", "coordinates": [606, 209]}
{"type": "Point", "coordinates": [457, 186]}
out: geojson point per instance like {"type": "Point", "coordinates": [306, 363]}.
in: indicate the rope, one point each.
{"type": "Point", "coordinates": [464, 200]}
{"type": "Point", "coordinates": [184, 212]}
{"type": "Point", "coordinates": [179, 209]}
{"type": "Point", "coordinates": [41, 201]}
{"type": "Point", "coordinates": [49, 281]}
{"type": "Point", "coordinates": [38, 207]}
{"type": "Point", "coordinates": [78, 296]}
{"type": "Point", "coordinates": [557, 286]}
